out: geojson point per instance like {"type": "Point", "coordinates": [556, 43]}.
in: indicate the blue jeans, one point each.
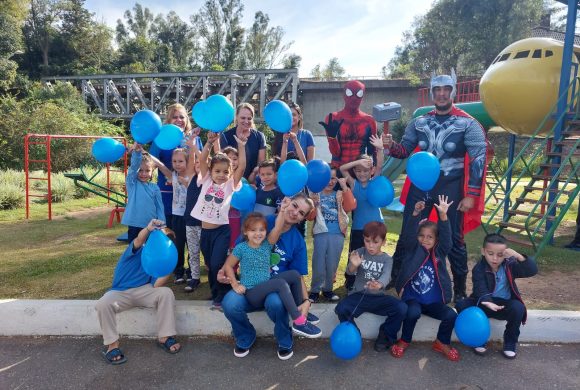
{"type": "Point", "coordinates": [236, 309]}
{"type": "Point", "coordinates": [439, 311]}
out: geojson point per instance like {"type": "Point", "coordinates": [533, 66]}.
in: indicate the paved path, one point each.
{"type": "Point", "coordinates": [208, 363]}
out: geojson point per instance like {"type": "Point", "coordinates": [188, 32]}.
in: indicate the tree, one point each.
{"type": "Point", "coordinates": [332, 71]}
{"type": "Point", "coordinates": [40, 29]}
{"type": "Point", "coordinates": [178, 37]}
{"type": "Point", "coordinates": [462, 34]}
{"type": "Point", "coordinates": [138, 50]}
{"type": "Point", "coordinates": [139, 22]}
{"type": "Point", "coordinates": [264, 48]}
{"type": "Point", "coordinates": [221, 34]}
{"type": "Point", "coordinates": [292, 61]}
{"type": "Point", "coordinates": [12, 16]}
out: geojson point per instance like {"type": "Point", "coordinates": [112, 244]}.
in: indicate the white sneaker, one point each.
{"type": "Point", "coordinates": [509, 354]}
{"type": "Point", "coordinates": [480, 350]}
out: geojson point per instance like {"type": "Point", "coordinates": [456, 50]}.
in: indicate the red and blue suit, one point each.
{"type": "Point", "coordinates": [348, 131]}
{"type": "Point", "coordinates": [460, 144]}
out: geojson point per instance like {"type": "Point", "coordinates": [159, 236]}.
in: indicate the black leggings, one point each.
{"type": "Point", "coordinates": [287, 285]}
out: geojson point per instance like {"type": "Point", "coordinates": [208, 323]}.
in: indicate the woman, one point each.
{"type": "Point", "coordinates": [299, 135]}
{"type": "Point", "coordinates": [291, 251]}
{"type": "Point", "coordinates": [244, 129]}
{"type": "Point", "coordinates": [176, 115]}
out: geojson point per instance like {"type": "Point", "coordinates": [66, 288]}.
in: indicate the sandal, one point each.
{"type": "Point", "coordinates": [166, 346]}
{"type": "Point", "coordinates": [447, 350]}
{"type": "Point", "coordinates": [112, 354]}
{"type": "Point", "coordinates": [398, 349]}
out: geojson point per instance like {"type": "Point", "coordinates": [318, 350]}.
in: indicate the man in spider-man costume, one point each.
{"type": "Point", "coordinates": [459, 142]}
{"type": "Point", "coordinates": [348, 130]}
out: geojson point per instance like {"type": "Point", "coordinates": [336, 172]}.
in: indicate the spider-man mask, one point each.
{"type": "Point", "coordinates": [353, 94]}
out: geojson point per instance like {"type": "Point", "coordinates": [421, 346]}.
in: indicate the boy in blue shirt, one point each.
{"type": "Point", "coordinates": [495, 290]}
{"type": "Point", "coordinates": [132, 287]}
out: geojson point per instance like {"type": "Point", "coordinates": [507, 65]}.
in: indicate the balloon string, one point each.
{"type": "Point", "coordinates": [351, 319]}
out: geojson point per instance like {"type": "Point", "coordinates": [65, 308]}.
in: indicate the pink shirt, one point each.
{"type": "Point", "coordinates": [214, 200]}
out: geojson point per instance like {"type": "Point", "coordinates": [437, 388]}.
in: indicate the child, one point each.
{"type": "Point", "coordinates": [254, 254]}
{"type": "Point", "coordinates": [183, 164]}
{"type": "Point", "coordinates": [371, 268]}
{"type": "Point", "coordinates": [328, 231]}
{"type": "Point", "coordinates": [495, 290]}
{"type": "Point", "coordinates": [364, 213]}
{"type": "Point", "coordinates": [424, 278]}
{"type": "Point", "coordinates": [144, 201]}
{"type": "Point", "coordinates": [218, 183]}
{"type": "Point", "coordinates": [132, 287]}
{"type": "Point", "coordinates": [234, 215]}
{"type": "Point", "coordinates": [193, 232]}
{"type": "Point", "coordinates": [268, 195]}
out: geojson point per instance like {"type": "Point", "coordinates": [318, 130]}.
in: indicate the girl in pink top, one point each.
{"type": "Point", "coordinates": [218, 182]}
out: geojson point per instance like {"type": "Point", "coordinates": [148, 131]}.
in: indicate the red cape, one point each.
{"type": "Point", "coordinates": [472, 218]}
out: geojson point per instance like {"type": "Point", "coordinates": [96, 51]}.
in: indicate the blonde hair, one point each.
{"type": "Point", "coordinates": [178, 107]}
{"type": "Point", "coordinates": [184, 151]}
{"type": "Point", "coordinates": [249, 107]}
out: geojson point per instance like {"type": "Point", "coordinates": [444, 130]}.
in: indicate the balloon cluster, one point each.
{"type": "Point", "coordinates": [214, 113]}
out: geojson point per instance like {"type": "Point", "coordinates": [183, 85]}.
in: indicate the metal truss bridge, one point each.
{"type": "Point", "coordinates": [122, 95]}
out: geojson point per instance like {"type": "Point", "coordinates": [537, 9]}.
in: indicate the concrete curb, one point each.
{"type": "Point", "coordinates": [79, 318]}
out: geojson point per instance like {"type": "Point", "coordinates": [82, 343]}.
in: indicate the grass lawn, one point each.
{"type": "Point", "coordinates": [73, 257]}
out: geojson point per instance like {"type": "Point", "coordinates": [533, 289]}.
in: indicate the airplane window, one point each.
{"type": "Point", "coordinates": [549, 53]}
{"type": "Point", "coordinates": [496, 60]}
{"type": "Point", "coordinates": [504, 57]}
{"type": "Point", "coordinates": [522, 54]}
{"type": "Point", "coordinates": [537, 53]}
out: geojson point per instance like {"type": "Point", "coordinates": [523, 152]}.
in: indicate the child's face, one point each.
{"type": "Point", "coordinates": [363, 174]}
{"type": "Point", "coordinates": [373, 245]}
{"type": "Point", "coordinates": [234, 159]}
{"type": "Point", "coordinates": [427, 238]}
{"type": "Point", "coordinates": [220, 172]}
{"type": "Point", "coordinates": [332, 181]}
{"type": "Point", "coordinates": [145, 172]}
{"type": "Point", "coordinates": [256, 233]}
{"type": "Point", "coordinates": [267, 176]}
{"type": "Point", "coordinates": [179, 162]}
{"type": "Point", "coordinates": [494, 254]}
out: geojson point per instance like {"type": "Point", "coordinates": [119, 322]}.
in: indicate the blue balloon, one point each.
{"type": "Point", "coordinates": [318, 175]}
{"type": "Point", "coordinates": [346, 341]}
{"type": "Point", "coordinates": [423, 170]}
{"type": "Point", "coordinates": [145, 126]}
{"type": "Point", "coordinates": [292, 177]}
{"type": "Point", "coordinates": [108, 150]}
{"type": "Point", "coordinates": [278, 116]}
{"type": "Point", "coordinates": [380, 192]}
{"type": "Point", "coordinates": [245, 198]}
{"type": "Point", "coordinates": [169, 137]}
{"type": "Point", "coordinates": [159, 255]}
{"type": "Point", "coordinates": [214, 114]}
{"type": "Point", "coordinates": [472, 327]}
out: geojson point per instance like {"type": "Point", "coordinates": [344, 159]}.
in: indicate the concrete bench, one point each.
{"type": "Point", "coordinates": [79, 318]}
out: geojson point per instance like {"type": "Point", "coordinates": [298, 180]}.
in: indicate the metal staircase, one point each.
{"type": "Point", "coordinates": [537, 199]}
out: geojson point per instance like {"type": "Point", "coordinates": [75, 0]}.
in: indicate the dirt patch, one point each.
{"type": "Point", "coordinates": [84, 213]}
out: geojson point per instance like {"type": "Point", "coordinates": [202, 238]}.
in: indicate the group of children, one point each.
{"type": "Point", "coordinates": [203, 220]}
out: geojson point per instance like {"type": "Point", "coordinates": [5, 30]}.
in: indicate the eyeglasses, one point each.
{"type": "Point", "coordinates": [217, 200]}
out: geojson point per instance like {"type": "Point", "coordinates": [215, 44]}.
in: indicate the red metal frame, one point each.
{"type": "Point", "coordinates": [45, 139]}
{"type": "Point", "coordinates": [467, 91]}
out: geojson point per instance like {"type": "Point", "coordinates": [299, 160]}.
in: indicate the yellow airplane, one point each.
{"type": "Point", "coordinates": [520, 87]}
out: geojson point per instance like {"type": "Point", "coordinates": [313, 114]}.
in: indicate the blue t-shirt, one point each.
{"type": "Point", "coordinates": [424, 287]}
{"type": "Point", "coordinates": [256, 142]}
{"type": "Point", "coordinates": [292, 250]}
{"type": "Point", "coordinates": [502, 288]}
{"type": "Point", "coordinates": [364, 212]}
{"type": "Point", "coordinates": [254, 263]}
{"type": "Point", "coordinates": [129, 272]}
{"type": "Point", "coordinates": [267, 202]}
{"type": "Point", "coordinates": [305, 139]}
{"type": "Point", "coordinates": [329, 209]}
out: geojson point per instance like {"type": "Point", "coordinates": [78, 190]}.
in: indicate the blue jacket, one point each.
{"type": "Point", "coordinates": [484, 279]}
{"type": "Point", "coordinates": [416, 256]}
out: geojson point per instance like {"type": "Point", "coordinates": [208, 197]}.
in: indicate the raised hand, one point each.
{"type": "Point", "coordinates": [419, 206]}
{"type": "Point", "coordinates": [332, 127]}
{"type": "Point", "coordinates": [443, 205]}
{"type": "Point", "coordinates": [366, 163]}
{"type": "Point", "coordinates": [212, 137]}
{"type": "Point", "coordinates": [241, 141]}
{"type": "Point", "coordinates": [387, 140]}
{"type": "Point", "coordinates": [155, 224]}
{"type": "Point", "coordinates": [355, 259]}
{"type": "Point", "coordinates": [376, 141]}
{"type": "Point", "coordinates": [342, 183]}
{"type": "Point", "coordinates": [509, 252]}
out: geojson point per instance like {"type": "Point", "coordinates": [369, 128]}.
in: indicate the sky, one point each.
{"type": "Point", "coordinates": [362, 34]}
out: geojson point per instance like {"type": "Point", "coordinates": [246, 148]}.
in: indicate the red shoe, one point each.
{"type": "Point", "coordinates": [398, 349]}
{"type": "Point", "coordinates": [447, 350]}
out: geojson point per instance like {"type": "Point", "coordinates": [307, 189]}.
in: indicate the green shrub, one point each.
{"type": "Point", "coordinates": [12, 177]}
{"type": "Point", "coordinates": [11, 197]}
{"type": "Point", "coordinates": [62, 187]}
